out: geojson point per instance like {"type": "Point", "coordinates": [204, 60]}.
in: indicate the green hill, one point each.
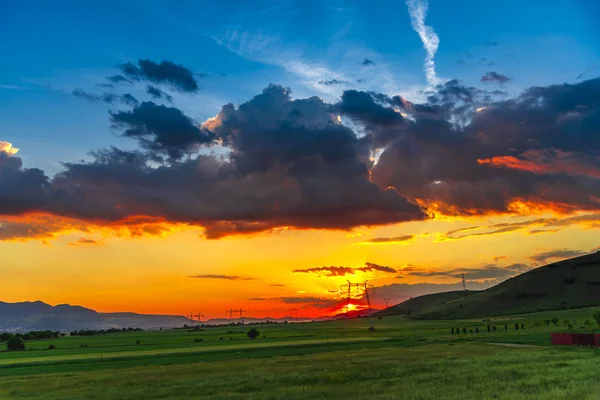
{"type": "Point", "coordinates": [421, 303]}
{"type": "Point", "coordinates": [566, 284]}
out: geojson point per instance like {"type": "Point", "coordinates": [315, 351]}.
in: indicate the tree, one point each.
{"type": "Point", "coordinates": [505, 327]}
{"type": "Point", "coordinates": [597, 317]}
{"type": "Point", "coordinates": [253, 333]}
{"type": "Point", "coordinates": [494, 328]}
{"type": "Point", "coordinates": [547, 322]}
{"type": "Point", "coordinates": [453, 331]}
{"type": "Point", "coordinates": [489, 329]}
{"type": "Point", "coordinates": [465, 331]}
{"type": "Point", "coordinates": [516, 326]}
{"type": "Point", "coordinates": [522, 326]}
{"type": "Point", "coordinates": [476, 330]}
{"type": "Point", "coordinates": [555, 321]}
{"type": "Point", "coordinates": [15, 343]}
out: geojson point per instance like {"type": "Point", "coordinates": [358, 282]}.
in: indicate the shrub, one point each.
{"type": "Point", "coordinates": [198, 340]}
{"type": "Point", "coordinates": [137, 341]}
{"type": "Point", "coordinates": [477, 330]}
{"type": "Point", "coordinates": [494, 328]}
{"type": "Point", "coordinates": [221, 338]}
{"type": "Point", "coordinates": [253, 333]}
{"type": "Point", "coordinates": [372, 329]}
{"type": "Point", "coordinates": [522, 326]}
{"type": "Point", "coordinates": [453, 331]}
{"type": "Point", "coordinates": [555, 321]}
{"type": "Point", "coordinates": [505, 327]}
{"type": "Point", "coordinates": [465, 331]}
{"type": "Point", "coordinates": [489, 328]}
{"type": "Point", "coordinates": [51, 347]}
{"type": "Point", "coordinates": [15, 343]}
{"type": "Point", "coordinates": [516, 327]}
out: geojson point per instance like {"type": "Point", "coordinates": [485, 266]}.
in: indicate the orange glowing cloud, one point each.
{"type": "Point", "coordinates": [544, 162]}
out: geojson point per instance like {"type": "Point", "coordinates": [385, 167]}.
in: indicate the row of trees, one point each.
{"type": "Point", "coordinates": [31, 335]}
{"type": "Point", "coordinates": [91, 332]}
{"type": "Point", "coordinates": [490, 328]}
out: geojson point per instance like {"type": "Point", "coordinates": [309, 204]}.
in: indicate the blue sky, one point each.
{"type": "Point", "coordinates": [52, 48]}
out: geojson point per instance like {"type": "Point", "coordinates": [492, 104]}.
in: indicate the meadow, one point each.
{"type": "Point", "coordinates": [364, 358]}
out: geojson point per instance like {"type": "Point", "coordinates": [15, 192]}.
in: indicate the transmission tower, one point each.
{"type": "Point", "coordinates": [293, 314]}
{"type": "Point", "coordinates": [464, 284]}
{"type": "Point", "coordinates": [387, 302]}
{"type": "Point", "coordinates": [358, 288]}
{"type": "Point", "coordinates": [239, 313]}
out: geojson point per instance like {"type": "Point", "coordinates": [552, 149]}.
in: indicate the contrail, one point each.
{"type": "Point", "coordinates": [417, 9]}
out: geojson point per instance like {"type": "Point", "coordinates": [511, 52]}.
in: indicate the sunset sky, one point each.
{"type": "Point", "coordinates": [177, 157]}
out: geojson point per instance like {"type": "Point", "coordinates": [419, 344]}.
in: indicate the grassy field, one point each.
{"type": "Point", "coordinates": [401, 358]}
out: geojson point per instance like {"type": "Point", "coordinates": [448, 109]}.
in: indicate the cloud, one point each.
{"type": "Point", "coordinates": [166, 72]}
{"type": "Point", "coordinates": [559, 254]}
{"type": "Point", "coordinates": [486, 272]}
{"type": "Point", "coordinates": [292, 164]}
{"type": "Point", "coordinates": [86, 241]}
{"type": "Point", "coordinates": [308, 302]}
{"type": "Point", "coordinates": [494, 77]}
{"type": "Point", "coordinates": [8, 149]}
{"type": "Point", "coordinates": [156, 93]}
{"type": "Point", "coordinates": [225, 277]}
{"type": "Point", "coordinates": [417, 9]}
{"type": "Point", "coordinates": [542, 225]}
{"type": "Point", "coordinates": [389, 240]}
{"type": "Point", "coordinates": [343, 271]}
{"type": "Point", "coordinates": [367, 63]}
{"type": "Point", "coordinates": [548, 162]}
{"type": "Point", "coordinates": [161, 128]}
{"type": "Point", "coordinates": [109, 98]}
{"type": "Point", "coordinates": [118, 79]}
{"type": "Point", "coordinates": [333, 82]}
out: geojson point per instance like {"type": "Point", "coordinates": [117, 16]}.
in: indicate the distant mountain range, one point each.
{"type": "Point", "coordinates": [562, 285]}
{"type": "Point", "coordinates": [36, 315]}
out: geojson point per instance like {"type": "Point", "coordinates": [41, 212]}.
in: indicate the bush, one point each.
{"type": "Point", "coordinates": [51, 347]}
{"type": "Point", "coordinates": [137, 341]}
{"type": "Point", "coordinates": [253, 333]}
{"type": "Point", "coordinates": [198, 340]}
{"type": "Point", "coordinates": [221, 338]}
{"type": "Point", "coordinates": [15, 343]}
{"type": "Point", "coordinates": [372, 329]}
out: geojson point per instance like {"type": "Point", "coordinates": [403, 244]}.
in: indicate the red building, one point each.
{"type": "Point", "coordinates": [578, 339]}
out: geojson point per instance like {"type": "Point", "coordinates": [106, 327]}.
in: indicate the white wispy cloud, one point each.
{"type": "Point", "coordinates": [417, 9]}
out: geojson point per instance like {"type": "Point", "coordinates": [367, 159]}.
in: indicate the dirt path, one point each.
{"type": "Point", "coordinates": [512, 344]}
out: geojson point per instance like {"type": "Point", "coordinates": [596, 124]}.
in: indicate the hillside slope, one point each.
{"type": "Point", "coordinates": [422, 303]}
{"type": "Point", "coordinates": [566, 284]}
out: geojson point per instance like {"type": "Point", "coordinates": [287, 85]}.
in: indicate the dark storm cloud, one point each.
{"type": "Point", "coordinates": [466, 169]}
{"type": "Point", "coordinates": [165, 72]}
{"type": "Point", "coordinates": [224, 277]}
{"type": "Point", "coordinates": [367, 63]}
{"type": "Point", "coordinates": [494, 77]}
{"type": "Point", "coordinates": [156, 93]}
{"type": "Point", "coordinates": [160, 128]}
{"type": "Point", "coordinates": [343, 271]}
{"type": "Point", "coordinates": [290, 163]}
{"type": "Point", "coordinates": [557, 255]}
{"type": "Point", "coordinates": [332, 82]}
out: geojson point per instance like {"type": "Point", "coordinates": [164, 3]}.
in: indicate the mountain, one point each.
{"type": "Point", "coordinates": [27, 316]}
{"type": "Point", "coordinates": [562, 285]}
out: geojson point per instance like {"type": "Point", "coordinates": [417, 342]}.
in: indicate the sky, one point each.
{"type": "Point", "coordinates": [197, 156]}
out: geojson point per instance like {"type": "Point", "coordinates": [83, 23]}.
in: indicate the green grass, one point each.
{"type": "Point", "coordinates": [402, 358]}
